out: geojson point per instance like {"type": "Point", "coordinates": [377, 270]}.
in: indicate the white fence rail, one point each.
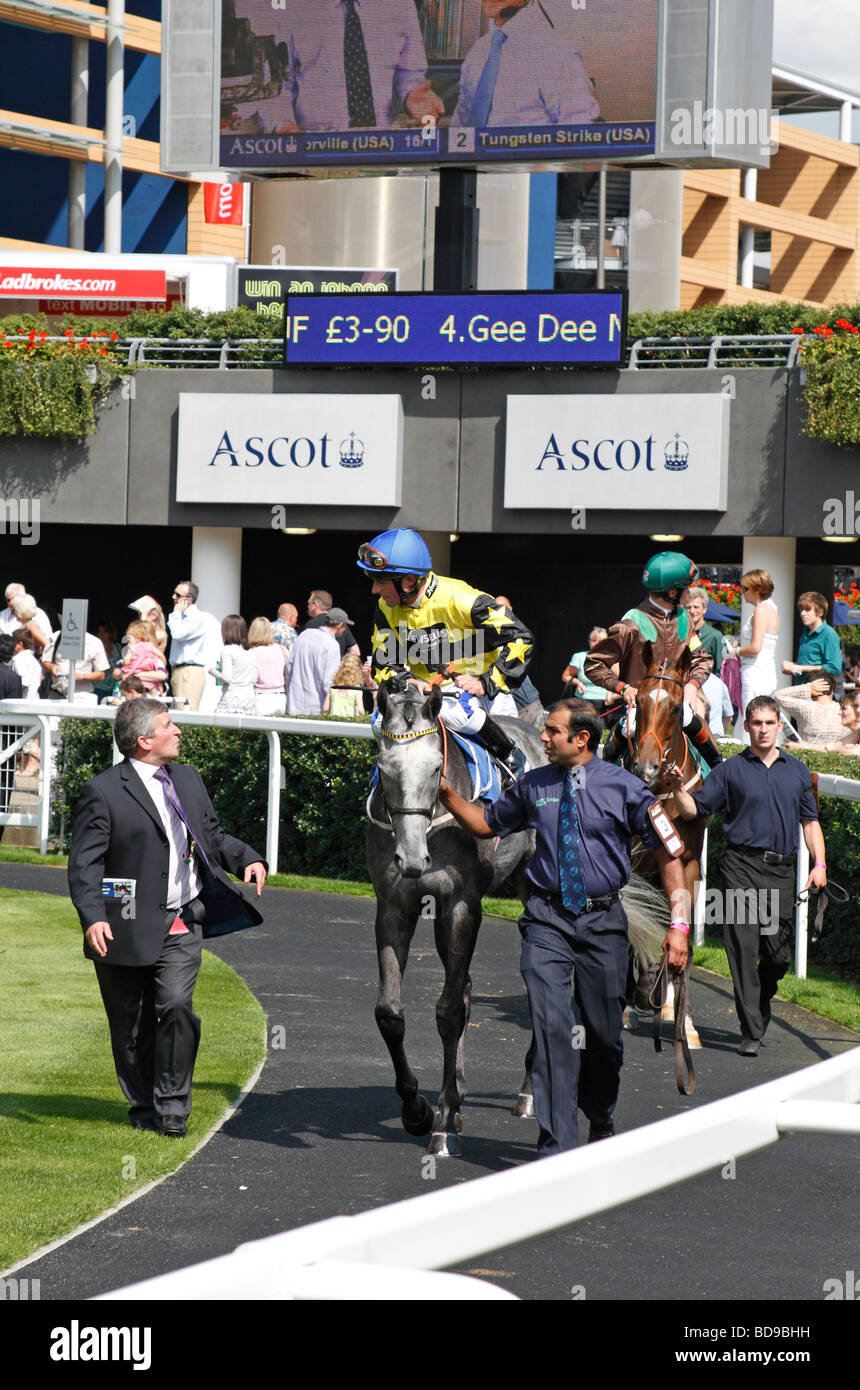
{"type": "Point", "coordinates": [42, 716]}
{"type": "Point", "coordinates": [375, 1255]}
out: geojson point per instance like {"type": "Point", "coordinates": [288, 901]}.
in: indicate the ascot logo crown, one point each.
{"type": "Point", "coordinates": [676, 454]}
{"type": "Point", "coordinates": [351, 452]}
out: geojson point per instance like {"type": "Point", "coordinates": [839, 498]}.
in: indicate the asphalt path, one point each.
{"type": "Point", "coordinates": [320, 1134]}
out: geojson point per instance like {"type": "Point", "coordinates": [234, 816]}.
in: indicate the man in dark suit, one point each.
{"type": "Point", "coordinates": [146, 877]}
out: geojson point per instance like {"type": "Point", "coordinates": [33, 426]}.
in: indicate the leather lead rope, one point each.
{"type": "Point", "coordinates": [685, 1072]}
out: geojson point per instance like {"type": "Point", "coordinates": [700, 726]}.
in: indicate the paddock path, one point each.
{"type": "Point", "coordinates": [320, 1135]}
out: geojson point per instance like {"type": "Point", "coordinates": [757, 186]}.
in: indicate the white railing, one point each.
{"type": "Point", "coordinates": [376, 1254]}
{"type": "Point", "coordinates": [724, 350]}
{"type": "Point", "coordinates": [41, 717]}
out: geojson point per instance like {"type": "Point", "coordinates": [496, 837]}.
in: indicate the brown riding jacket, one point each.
{"type": "Point", "coordinates": [623, 648]}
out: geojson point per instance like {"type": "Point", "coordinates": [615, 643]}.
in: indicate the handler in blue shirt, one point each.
{"type": "Point", "coordinates": [765, 794]}
{"type": "Point", "coordinates": [585, 814]}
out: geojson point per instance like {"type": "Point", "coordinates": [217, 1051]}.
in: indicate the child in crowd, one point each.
{"type": "Point", "coordinates": [143, 658]}
{"type": "Point", "coordinates": [345, 699]}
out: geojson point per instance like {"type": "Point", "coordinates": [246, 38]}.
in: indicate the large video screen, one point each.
{"type": "Point", "coordinates": [313, 84]}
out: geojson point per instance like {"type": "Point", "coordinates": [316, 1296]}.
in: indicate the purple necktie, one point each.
{"type": "Point", "coordinates": [172, 796]}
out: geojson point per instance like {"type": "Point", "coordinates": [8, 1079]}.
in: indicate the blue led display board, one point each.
{"type": "Point", "coordinates": [541, 328]}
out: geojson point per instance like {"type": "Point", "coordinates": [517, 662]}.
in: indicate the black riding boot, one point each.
{"type": "Point", "coordinates": [502, 747]}
{"type": "Point", "coordinates": [700, 735]}
{"type": "Point", "coordinates": [616, 744]}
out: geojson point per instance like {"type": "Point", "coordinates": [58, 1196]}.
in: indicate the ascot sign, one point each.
{"type": "Point", "coordinates": [301, 450]}
{"type": "Point", "coordinates": [617, 453]}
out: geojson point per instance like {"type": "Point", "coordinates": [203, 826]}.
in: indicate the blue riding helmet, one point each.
{"type": "Point", "coordinates": [395, 552]}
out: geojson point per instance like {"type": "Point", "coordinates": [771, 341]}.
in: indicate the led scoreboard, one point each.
{"type": "Point", "coordinates": [493, 329]}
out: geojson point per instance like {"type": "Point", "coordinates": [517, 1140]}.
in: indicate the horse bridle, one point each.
{"type": "Point", "coordinates": [437, 728]}
{"type": "Point", "coordinates": [660, 677]}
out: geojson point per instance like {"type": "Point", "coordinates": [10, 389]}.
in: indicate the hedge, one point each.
{"type": "Point", "coordinates": [322, 809]}
{"type": "Point", "coordinates": [322, 805]}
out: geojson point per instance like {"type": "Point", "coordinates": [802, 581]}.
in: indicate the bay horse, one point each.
{"type": "Point", "coordinates": [657, 743]}
{"type": "Point", "coordinates": [419, 857]}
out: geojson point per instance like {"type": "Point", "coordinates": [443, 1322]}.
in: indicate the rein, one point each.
{"type": "Point", "coordinates": [685, 1072]}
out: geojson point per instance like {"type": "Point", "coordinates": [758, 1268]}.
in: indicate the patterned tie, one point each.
{"type": "Point", "coordinates": [359, 92]}
{"type": "Point", "coordinates": [573, 893]}
{"type": "Point", "coordinates": [482, 101]}
{"type": "Point", "coordinates": [171, 795]}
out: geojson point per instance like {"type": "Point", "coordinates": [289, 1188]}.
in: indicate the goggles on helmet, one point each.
{"type": "Point", "coordinates": [375, 558]}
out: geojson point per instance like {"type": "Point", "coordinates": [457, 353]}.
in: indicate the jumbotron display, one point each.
{"type": "Point", "coordinates": [314, 84]}
{"type": "Point", "coordinates": [493, 329]}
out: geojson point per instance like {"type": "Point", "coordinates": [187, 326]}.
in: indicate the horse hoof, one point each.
{"type": "Point", "coordinates": [444, 1145]}
{"type": "Point", "coordinates": [693, 1039]}
{"type": "Point", "coordinates": [423, 1121]}
{"type": "Point", "coordinates": [524, 1107]}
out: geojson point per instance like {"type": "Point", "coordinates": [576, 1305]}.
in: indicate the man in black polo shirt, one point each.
{"type": "Point", "coordinates": [585, 813]}
{"type": "Point", "coordinates": [764, 794]}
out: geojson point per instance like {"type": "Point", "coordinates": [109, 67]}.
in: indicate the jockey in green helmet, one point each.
{"type": "Point", "coordinates": [658, 621]}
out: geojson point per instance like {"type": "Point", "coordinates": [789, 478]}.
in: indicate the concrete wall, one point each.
{"type": "Point", "coordinates": [453, 474]}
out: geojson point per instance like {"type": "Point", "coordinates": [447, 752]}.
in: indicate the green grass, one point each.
{"type": "Point", "coordinates": [821, 992]}
{"type": "Point", "coordinates": [66, 1149]}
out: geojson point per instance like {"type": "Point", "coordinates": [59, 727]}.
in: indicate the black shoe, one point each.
{"type": "Point", "coordinates": [173, 1126]}
{"type": "Point", "coordinates": [502, 748]}
{"type": "Point", "coordinates": [748, 1047]}
{"type": "Point", "coordinates": [604, 1131]}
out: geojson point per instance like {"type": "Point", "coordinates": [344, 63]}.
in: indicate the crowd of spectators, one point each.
{"type": "Point", "coordinates": [280, 666]}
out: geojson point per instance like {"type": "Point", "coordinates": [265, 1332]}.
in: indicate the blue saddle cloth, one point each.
{"type": "Point", "coordinates": [483, 769]}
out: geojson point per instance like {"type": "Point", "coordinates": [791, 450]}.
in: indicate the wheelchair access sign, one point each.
{"type": "Point", "coordinates": [74, 628]}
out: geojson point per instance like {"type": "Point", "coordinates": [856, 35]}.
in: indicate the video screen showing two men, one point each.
{"type": "Point", "coordinates": [298, 67]}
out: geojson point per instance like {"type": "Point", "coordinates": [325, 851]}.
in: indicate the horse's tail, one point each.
{"type": "Point", "coordinates": [648, 914]}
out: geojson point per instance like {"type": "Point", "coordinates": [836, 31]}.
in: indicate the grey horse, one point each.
{"type": "Point", "coordinates": [418, 855]}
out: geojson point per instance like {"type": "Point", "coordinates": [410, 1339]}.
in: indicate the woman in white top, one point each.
{"type": "Point", "coordinates": [757, 649]}
{"type": "Point", "coordinates": [238, 669]}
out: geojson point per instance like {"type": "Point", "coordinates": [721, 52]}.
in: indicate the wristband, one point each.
{"type": "Point", "coordinates": [680, 926]}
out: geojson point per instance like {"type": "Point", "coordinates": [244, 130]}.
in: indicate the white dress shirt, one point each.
{"type": "Point", "coordinates": [95, 659]}
{"type": "Point", "coordinates": [190, 639]}
{"type": "Point", "coordinates": [314, 93]}
{"type": "Point", "coordinates": [183, 879]}
{"type": "Point", "coordinates": [541, 78]}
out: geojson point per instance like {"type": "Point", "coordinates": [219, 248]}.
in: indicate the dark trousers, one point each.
{"type": "Point", "coordinates": [758, 940]}
{"type": "Point", "coordinates": [569, 1070]}
{"type": "Point", "coordinates": [154, 1030]}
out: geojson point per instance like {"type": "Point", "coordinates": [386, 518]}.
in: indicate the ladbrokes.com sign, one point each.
{"type": "Point", "coordinates": [38, 282]}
